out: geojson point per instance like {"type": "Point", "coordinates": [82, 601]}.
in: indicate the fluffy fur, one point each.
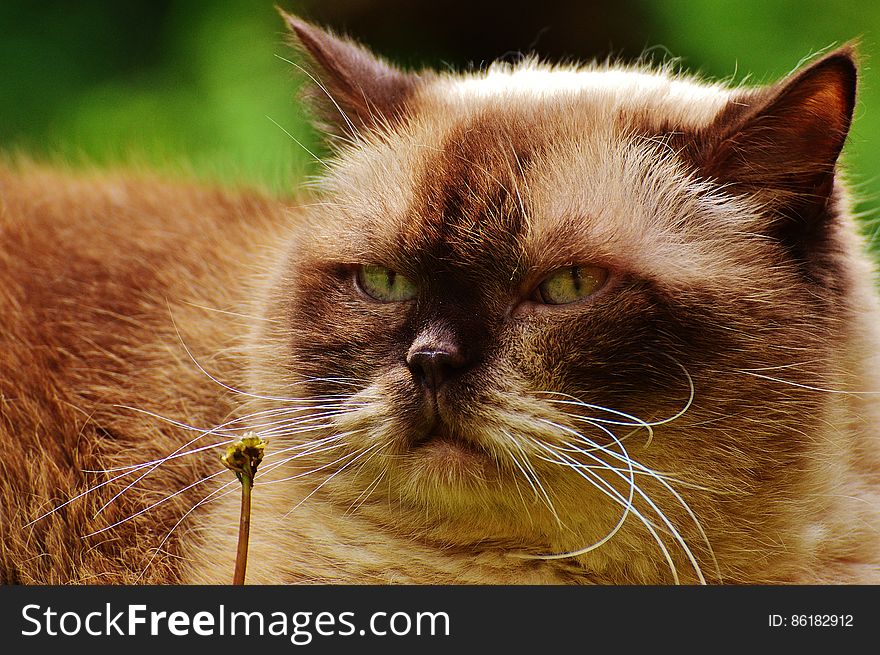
{"type": "Point", "coordinates": [709, 414]}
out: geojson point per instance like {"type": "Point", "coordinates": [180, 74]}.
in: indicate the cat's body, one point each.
{"type": "Point", "coordinates": [699, 399]}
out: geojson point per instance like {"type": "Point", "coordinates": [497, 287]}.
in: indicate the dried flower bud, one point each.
{"type": "Point", "coordinates": [244, 456]}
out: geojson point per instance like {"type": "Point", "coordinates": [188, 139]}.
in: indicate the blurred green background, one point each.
{"type": "Point", "coordinates": [196, 88]}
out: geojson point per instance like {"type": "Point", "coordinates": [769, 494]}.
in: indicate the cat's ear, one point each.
{"type": "Point", "coordinates": [353, 88]}
{"type": "Point", "coordinates": [782, 142]}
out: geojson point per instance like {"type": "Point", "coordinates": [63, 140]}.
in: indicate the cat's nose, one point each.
{"type": "Point", "coordinates": [434, 365]}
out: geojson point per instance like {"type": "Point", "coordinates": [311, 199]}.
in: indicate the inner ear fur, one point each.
{"type": "Point", "coordinates": [353, 89]}
{"type": "Point", "coordinates": [785, 139]}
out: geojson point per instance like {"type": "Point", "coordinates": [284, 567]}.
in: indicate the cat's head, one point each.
{"type": "Point", "coordinates": [537, 307]}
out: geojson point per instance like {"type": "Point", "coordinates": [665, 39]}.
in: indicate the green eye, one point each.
{"type": "Point", "coordinates": [570, 284]}
{"type": "Point", "coordinates": [384, 284]}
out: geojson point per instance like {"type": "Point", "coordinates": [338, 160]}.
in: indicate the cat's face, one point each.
{"type": "Point", "coordinates": [525, 313]}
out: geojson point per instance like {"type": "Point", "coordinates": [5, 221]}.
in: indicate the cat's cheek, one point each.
{"type": "Point", "coordinates": [336, 331]}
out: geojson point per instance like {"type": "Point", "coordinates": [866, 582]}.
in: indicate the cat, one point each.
{"type": "Point", "coordinates": [537, 324]}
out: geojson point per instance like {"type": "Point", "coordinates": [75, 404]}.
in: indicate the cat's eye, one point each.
{"type": "Point", "coordinates": [384, 284]}
{"type": "Point", "coordinates": [570, 284]}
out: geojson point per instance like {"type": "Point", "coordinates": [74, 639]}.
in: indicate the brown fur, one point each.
{"type": "Point", "coordinates": [97, 271]}
{"type": "Point", "coordinates": [738, 297]}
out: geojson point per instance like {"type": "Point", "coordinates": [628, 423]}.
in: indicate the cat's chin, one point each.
{"type": "Point", "coordinates": [445, 455]}
{"type": "Point", "coordinates": [444, 443]}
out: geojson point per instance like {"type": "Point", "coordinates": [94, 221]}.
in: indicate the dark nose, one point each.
{"type": "Point", "coordinates": [434, 365]}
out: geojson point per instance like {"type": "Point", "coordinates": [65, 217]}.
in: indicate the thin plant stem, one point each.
{"type": "Point", "coordinates": [244, 528]}
{"type": "Point", "coordinates": [242, 458]}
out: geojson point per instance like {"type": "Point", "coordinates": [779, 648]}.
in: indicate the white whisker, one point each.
{"type": "Point", "coordinates": [805, 386]}
{"type": "Point", "coordinates": [644, 496]}
{"type": "Point", "coordinates": [208, 498]}
{"type": "Point", "coordinates": [348, 122]}
{"type": "Point", "coordinates": [300, 144]}
{"type": "Point", "coordinates": [627, 508]}
{"type": "Point", "coordinates": [156, 504]}
{"type": "Point", "coordinates": [531, 476]}
{"type": "Point", "coordinates": [330, 477]}
{"type": "Point", "coordinates": [606, 488]}
{"type": "Point", "coordinates": [303, 474]}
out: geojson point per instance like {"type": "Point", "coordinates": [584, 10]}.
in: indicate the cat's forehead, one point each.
{"type": "Point", "coordinates": [670, 98]}
{"type": "Point", "coordinates": [550, 167]}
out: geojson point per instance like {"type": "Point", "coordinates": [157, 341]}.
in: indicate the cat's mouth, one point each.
{"type": "Point", "coordinates": [443, 442]}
